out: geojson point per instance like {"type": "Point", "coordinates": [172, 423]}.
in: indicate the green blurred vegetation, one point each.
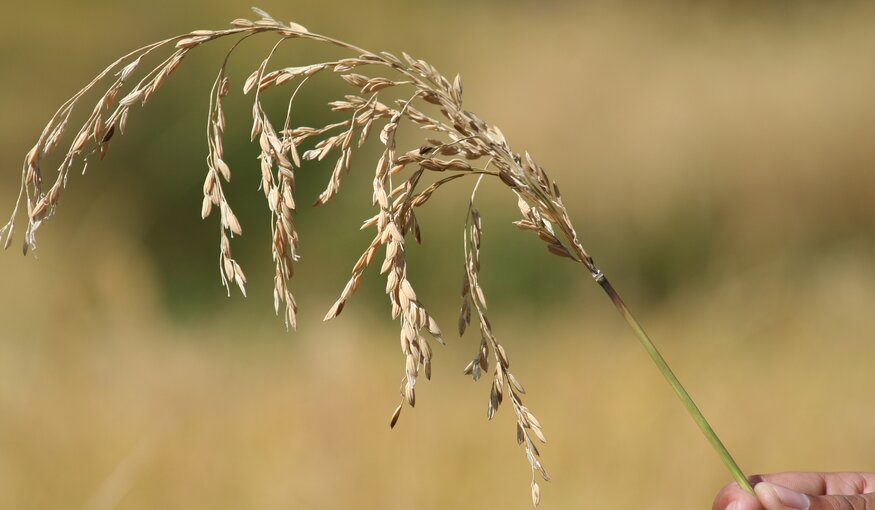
{"type": "Point", "coordinates": [716, 158]}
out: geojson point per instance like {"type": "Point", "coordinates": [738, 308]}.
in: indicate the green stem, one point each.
{"type": "Point", "coordinates": [675, 383]}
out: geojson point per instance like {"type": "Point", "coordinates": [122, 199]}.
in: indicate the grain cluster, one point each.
{"type": "Point", "coordinates": [458, 145]}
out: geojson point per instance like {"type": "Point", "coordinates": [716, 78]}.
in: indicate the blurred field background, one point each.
{"type": "Point", "coordinates": [716, 158]}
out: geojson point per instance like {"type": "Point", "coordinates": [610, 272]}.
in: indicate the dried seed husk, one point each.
{"type": "Point", "coordinates": [395, 415]}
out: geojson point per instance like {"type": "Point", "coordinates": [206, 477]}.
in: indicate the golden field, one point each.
{"type": "Point", "coordinates": [716, 159]}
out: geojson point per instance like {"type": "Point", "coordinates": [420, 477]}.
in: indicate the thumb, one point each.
{"type": "Point", "coordinates": [777, 497]}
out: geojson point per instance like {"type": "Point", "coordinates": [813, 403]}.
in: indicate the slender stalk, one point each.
{"type": "Point", "coordinates": [685, 397]}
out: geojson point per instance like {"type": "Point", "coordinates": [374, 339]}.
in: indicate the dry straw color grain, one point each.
{"type": "Point", "coordinates": [386, 92]}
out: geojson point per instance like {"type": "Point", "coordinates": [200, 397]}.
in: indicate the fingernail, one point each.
{"type": "Point", "coordinates": [732, 506]}
{"type": "Point", "coordinates": [788, 498]}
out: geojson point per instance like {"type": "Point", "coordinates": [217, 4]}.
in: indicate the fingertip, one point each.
{"type": "Point", "coordinates": [746, 502]}
{"type": "Point", "coordinates": [733, 497]}
{"type": "Point", "coordinates": [766, 494]}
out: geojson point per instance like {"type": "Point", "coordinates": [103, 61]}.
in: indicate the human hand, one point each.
{"type": "Point", "coordinates": [801, 491]}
